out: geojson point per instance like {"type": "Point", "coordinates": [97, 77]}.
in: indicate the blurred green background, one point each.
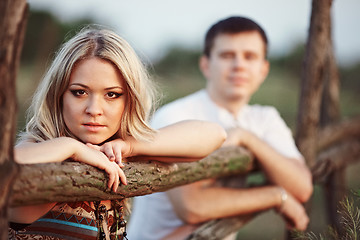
{"type": "Point", "coordinates": [177, 75]}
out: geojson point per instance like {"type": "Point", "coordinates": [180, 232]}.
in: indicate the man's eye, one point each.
{"type": "Point", "coordinates": [227, 55]}
{"type": "Point", "coordinates": [78, 92]}
{"type": "Point", "coordinates": [250, 56]}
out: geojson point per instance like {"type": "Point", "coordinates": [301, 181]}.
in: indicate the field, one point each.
{"type": "Point", "coordinates": [281, 90]}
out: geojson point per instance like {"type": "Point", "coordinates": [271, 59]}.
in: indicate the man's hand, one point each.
{"type": "Point", "coordinates": [235, 137]}
{"type": "Point", "coordinates": [294, 213]}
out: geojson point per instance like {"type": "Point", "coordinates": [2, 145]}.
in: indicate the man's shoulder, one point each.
{"type": "Point", "coordinates": [261, 110]}
{"type": "Point", "coordinates": [181, 109]}
{"type": "Point", "coordinates": [190, 99]}
{"type": "Point", "coordinates": [185, 104]}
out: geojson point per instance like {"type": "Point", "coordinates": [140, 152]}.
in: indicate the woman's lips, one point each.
{"type": "Point", "coordinates": [93, 127]}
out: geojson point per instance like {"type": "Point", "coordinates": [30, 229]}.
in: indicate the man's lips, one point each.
{"type": "Point", "coordinates": [239, 80]}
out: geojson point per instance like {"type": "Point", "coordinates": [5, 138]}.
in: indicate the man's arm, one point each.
{"type": "Point", "coordinates": [202, 201]}
{"type": "Point", "coordinates": [290, 173]}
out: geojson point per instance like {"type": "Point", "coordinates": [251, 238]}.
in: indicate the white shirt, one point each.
{"type": "Point", "coordinates": [153, 216]}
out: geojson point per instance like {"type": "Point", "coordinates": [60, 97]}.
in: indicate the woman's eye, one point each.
{"type": "Point", "coordinates": [78, 92]}
{"type": "Point", "coordinates": [114, 95]}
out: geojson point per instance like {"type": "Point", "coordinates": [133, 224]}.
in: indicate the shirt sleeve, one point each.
{"type": "Point", "coordinates": [279, 136]}
{"type": "Point", "coordinates": [167, 115]}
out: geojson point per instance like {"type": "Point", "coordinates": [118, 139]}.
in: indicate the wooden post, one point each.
{"type": "Point", "coordinates": [312, 80]}
{"type": "Point", "coordinates": [12, 29]}
{"type": "Point", "coordinates": [335, 186]}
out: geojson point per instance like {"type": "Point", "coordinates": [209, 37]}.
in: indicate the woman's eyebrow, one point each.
{"type": "Point", "coordinates": [108, 88]}
{"type": "Point", "coordinates": [79, 84]}
{"type": "Point", "coordinates": [115, 87]}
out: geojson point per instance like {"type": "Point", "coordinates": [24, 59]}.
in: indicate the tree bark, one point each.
{"type": "Point", "coordinates": [12, 28]}
{"type": "Point", "coordinates": [335, 133]}
{"type": "Point", "coordinates": [312, 80]}
{"type": "Point", "coordinates": [73, 181]}
{"type": "Point", "coordinates": [335, 158]}
{"type": "Point", "coordinates": [220, 228]}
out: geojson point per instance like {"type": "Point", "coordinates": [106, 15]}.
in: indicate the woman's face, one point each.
{"type": "Point", "coordinates": [94, 101]}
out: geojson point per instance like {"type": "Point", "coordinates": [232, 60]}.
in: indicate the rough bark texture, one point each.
{"type": "Point", "coordinates": [336, 158]}
{"type": "Point", "coordinates": [334, 133]}
{"type": "Point", "coordinates": [73, 181]}
{"type": "Point", "coordinates": [12, 29]}
{"type": "Point", "coordinates": [312, 80]}
{"type": "Point", "coordinates": [218, 229]}
{"type": "Point", "coordinates": [335, 186]}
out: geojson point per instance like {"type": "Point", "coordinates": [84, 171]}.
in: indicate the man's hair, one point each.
{"type": "Point", "coordinates": [232, 25]}
{"type": "Point", "coordinates": [45, 118]}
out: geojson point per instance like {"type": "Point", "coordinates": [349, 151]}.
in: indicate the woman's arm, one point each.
{"type": "Point", "coordinates": [57, 150]}
{"type": "Point", "coordinates": [183, 141]}
{"type": "Point", "coordinates": [28, 214]}
{"type": "Point", "coordinates": [54, 150]}
{"type": "Point", "coordinates": [62, 148]}
{"type": "Point", "coordinates": [189, 139]}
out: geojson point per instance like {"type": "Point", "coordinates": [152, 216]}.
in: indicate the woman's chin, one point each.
{"type": "Point", "coordinates": [94, 141]}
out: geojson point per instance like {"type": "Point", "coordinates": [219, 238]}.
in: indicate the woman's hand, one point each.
{"type": "Point", "coordinates": [91, 155]}
{"type": "Point", "coordinates": [115, 150]}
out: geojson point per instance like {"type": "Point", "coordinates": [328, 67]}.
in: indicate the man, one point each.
{"type": "Point", "coordinates": [234, 64]}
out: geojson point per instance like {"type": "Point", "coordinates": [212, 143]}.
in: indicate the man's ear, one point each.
{"type": "Point", "coordinates": [204, 65]}
{"type": "Point", "coordinates": [265, 70]}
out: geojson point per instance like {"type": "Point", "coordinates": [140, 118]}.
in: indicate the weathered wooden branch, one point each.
{"type": "Point", "coordinates": [335, 133]}
{"type": "Point", "coordinates": [335, 158]}
{"type": "Point", "coordinates": [220, 228]}
{"type": "Point", "coordinates": [73, 181]}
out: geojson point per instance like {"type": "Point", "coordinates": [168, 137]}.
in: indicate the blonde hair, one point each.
{"type": "Point", "coordinates": [45, 119]}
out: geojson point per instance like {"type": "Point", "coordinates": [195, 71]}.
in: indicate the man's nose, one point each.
{"type": "Point", "coordinates": [238, 62]}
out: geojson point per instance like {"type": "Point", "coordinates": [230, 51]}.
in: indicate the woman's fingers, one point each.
{"type": "Point", "coordinates": [112, 177]}
{"type": "Point", "coordinates": [96, 147]}
{"type": "Point", "coordinates": [116, 175]}
{"type": "Point", "coordinates": [107, 149]}
{"type": "Point", "coordinates": [118, 155]}
{"type": "Point", "coordinates": [113, 150]}
{"type": "Point", "coordinates": [123, 177]}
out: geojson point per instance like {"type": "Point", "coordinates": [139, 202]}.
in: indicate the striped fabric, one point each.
{"type": "Point", "coordinates": [72, 221]}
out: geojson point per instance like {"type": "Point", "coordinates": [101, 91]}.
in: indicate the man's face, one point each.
{"type": "Point", "coordinates": [236, 67]}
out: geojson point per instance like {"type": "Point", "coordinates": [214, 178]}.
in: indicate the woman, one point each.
{"type": "Point", "coordinates": [92, 106]}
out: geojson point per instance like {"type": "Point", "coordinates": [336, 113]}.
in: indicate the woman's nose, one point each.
{"type": "Point", "coordinates": [94, 106]}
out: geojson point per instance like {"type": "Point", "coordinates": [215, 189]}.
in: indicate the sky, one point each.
{"type": "Point", "coordinates": [152, 26]}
